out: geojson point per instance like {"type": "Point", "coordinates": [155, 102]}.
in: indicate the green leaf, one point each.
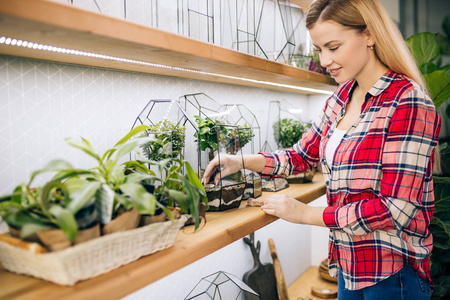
{"type": "Point", "coordinates": [53, 166]}
{"type": "Point", "coordinates": [428, 68]}
{"type": "Point", "coordinates": [80, 192]}
{"type": "Point", "coordinates": [144, 202]}
{"type": "Point", "coordinates": [180, 198]}
{"type": "Point", "coordinates": [131, 146]}
{"type": "Point", "coordinates": [423, 47]}
{"type": "Point", "coordinates": [132, 133]}
{"type": "Point", "coordinates": [65, 221]}
{"type": "Point", "coordinates": [84, 146]}
{"type": "Point", "coordinates": [116, 175]}
{"type": "Point", "coordinates": [139, 177]}
{"type": "Point", "coordinates": [193, 178]}
{"type": "Point", "coordinates": [438, 84]}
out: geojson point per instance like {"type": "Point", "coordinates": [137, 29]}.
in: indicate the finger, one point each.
{"type": "Point", "coordinates": [270, 211]}
{"type": "Point", "coordinates": [217, 178]}
{"type": "Point", "coordinates": [209, 170]}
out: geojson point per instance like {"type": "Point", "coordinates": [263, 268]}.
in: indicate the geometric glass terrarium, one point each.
{"type": "Point", "coordinates": [222, 286]}
{"type": "Point", "coordinates": [250, 139]}
{"type": "Point", "coordinates": [167, 122]}
{"type": "Point", "coordinates": [214, 136]}
{"type": "Point", "coordinates": [288, 129]}
{"type": "Point", "coordinates": [275, 20]}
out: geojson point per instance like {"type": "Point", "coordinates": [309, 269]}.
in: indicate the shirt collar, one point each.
{"type": "Point", "coordinates": [379, 86]}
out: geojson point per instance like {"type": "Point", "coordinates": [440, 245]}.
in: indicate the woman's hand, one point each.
{"type": "Point", "coordinates": [290, 209]}
{"type": "Point", "coordinates": [229, 164]}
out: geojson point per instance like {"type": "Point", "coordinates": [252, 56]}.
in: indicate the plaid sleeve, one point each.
{"type": "Point", "coordinates": [407, 158]}
{"type": "Point", "coordinates": [303, 155]}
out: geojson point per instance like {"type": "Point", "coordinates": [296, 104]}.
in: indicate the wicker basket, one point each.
{"type": "Point", "coordinates": [94, 257]}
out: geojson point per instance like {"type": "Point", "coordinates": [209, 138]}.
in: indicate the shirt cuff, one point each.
{"type": "Point", "coordinates": [270, 163]}
{"type": "Point", "coordinates": [330, 218]}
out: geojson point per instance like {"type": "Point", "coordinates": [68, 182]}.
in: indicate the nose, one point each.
{"type": "Point", "coordinates": [325, 59]}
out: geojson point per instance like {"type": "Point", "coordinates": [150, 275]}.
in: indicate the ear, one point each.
{"type": "Point", "coordinates": [369, 38]}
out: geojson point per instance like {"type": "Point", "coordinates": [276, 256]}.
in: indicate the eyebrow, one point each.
{"type": "Point", "coordinates": [326, 44]}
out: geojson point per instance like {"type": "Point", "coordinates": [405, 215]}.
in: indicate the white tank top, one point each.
{"type": "Point", "coordinates": [333, 143]}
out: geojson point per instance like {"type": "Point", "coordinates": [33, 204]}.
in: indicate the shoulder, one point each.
{"type": "Point", "coordinates": [407, 91]}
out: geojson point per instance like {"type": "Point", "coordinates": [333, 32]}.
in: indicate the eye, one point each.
{"type": "Point", "coordinates": [317, 50]}
{"type": "Point", "coordinates": [334, 48]}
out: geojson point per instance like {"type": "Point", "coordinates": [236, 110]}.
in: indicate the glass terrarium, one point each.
{"type": "Point", "coordinates": [250, 142]}
{"type": "Point", "coordinates": [215, 136]}
{"type": "Point", "coordinates": [288, 129]}
{"type": "Point", "coordinates": [167, 125]}
{"type": "Point", "coordinates": [222, 286]}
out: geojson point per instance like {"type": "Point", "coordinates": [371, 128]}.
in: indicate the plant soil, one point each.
{"type": "Point", "coordinates": [226, 197]}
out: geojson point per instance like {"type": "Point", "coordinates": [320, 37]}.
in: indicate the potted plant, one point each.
{"type": "Point", "coordinates": [111, 181]}
{"type": "Point", "coordinates": [212, 136]}
{"type": "Point", "coordinates": [427, 50]}
{"type": "Point", "coordinates": [58, 214]}
{"type": "Point", "coordinates": [172, 190]}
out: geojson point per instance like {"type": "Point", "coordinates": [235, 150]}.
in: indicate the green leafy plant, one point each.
{"type": "Point", "coordinates": [427, 49]}
{"type": "Point", "coordinates": [54, 205]}
{"type": "Point", "coordinates": [172, 187]}
{"type": "Point", "coordinates": [211, 133]}
{"type": "Point", "coordinates": [288, 131]}
{"type": "Point", "coordinates": [170, 139]}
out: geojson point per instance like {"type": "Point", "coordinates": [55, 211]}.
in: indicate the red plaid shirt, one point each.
{"type": "Point", "coordinates": [380, 186]}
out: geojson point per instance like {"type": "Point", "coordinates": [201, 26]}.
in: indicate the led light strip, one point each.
{"type": "Point", "coordinates": [31, 45]}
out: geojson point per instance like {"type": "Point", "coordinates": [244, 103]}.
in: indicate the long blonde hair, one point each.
{"type": "Point", "coordinates": [390, 46]}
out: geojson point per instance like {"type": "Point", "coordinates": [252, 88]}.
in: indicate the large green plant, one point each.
{"type": "Point", "coordinates": [427, 49]}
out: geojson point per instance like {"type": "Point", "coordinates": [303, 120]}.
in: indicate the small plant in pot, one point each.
{"type": "Point", "coordinates": [213, 136]}
{"type": "Point", "coordinates": [172, 193]}
{"type": "Point", "coordinates": [59, 214]}
{"type": "Point", "coordinates": [287, 132]}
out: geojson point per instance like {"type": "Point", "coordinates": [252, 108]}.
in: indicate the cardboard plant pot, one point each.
{"type": "Point", "coordinates": [14, 232]}
{"type": "Point", "coordinates": [125, 221]}
{"type": "Point", "coordinates": [55, 239]}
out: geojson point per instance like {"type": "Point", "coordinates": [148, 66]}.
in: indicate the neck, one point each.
{"type": "Point", "coordinates": [371, 74]}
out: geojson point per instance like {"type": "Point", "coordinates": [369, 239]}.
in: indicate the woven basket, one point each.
{"type": "Point", "coordinates": [94, 257]}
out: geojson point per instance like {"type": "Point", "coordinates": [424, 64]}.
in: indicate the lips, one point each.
{"type": "Point", "coordinates": [334, 71]}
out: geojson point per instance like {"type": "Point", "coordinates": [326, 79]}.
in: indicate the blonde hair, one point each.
{"type": "Point", "coordinates": [390, 46]}
{"type": "Point", "coordinates": [360, 15]}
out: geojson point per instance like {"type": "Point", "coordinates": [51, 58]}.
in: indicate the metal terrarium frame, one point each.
{"type": "Point", "coordinates": [215, 136]}
{"type": "Point", "coordinates": [168, 122]}
{"type": "Point", "coordinates": [250, 137]}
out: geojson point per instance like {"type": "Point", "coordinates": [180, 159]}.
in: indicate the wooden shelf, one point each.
{"type": "Point", "coordinates": [221, 229]}
{"type": "Point", "coordinates": [301, 288]}
{"type": "Point", "coordinates": [61, 25]}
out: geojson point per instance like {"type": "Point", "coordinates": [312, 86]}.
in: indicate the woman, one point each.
{"type": "Point", "coordinates": [375, 139]}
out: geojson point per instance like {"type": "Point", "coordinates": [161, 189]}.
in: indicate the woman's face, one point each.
{"type": "Point", "coordinates": [342, 50]}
